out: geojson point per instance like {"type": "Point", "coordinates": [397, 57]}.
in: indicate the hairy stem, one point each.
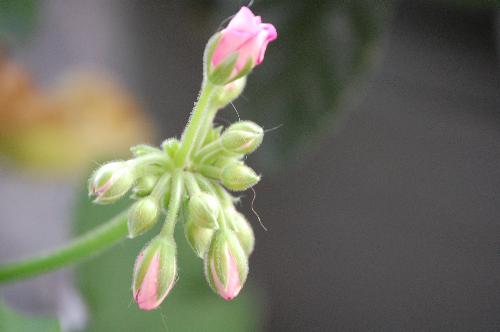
{"type": "Point", "coordinates": [192, 131]}
{"type": "Point", "coordinates": [174, 205]}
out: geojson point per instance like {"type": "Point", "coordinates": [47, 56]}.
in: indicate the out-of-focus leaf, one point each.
{"type": "Point", "coordinates": [324, 49]}
{"type": "Point", "coordinates": [105, 283]}
{"type": "Point", "coordinates": [17, 18]}
{"type": "Point", "coordinates": [11, 321]}
{"type": "Point", "coordinates": [470, 4]}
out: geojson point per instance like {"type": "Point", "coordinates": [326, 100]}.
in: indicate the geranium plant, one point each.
{"type": "Point", "coordinates": [188, 179]}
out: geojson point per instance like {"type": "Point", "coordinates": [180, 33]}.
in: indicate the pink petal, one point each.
{"type": "Point", "coordinates": [230, 41]}
{"type": "Point", "coordinates": [146, 296]}
{"type": "Point", "coordinates": [267, 35]}
{"type": "Point", "coordinates": [244, 20]}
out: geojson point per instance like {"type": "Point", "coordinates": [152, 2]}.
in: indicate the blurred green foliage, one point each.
{"type": "Point", "coordinates": [191, 306]}
{"type": "Point", "coordinates": [17, 18]}
{"type": "Point", "coordinates": [324, 49]}
{"type": "Point", "coordinates": [11, 321]}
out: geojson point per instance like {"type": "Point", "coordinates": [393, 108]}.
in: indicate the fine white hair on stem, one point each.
{"type": "Point", "coordinates": [273, 128]}
{"type": "Point", "coordinates": [237, 113]}
{"type": "Point", "coordinates": [255, 212]}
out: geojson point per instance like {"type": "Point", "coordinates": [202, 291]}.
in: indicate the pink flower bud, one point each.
{"type": "Point", "coordinates": [247, 37]}
{"type": "Point", "coordinates": [110, 182]}
{"type": "Point", "coordinates": [226, 265]}
{"type": "Point", "coordinates": [155, 272]}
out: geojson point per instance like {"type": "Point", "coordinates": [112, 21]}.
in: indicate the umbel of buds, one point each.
{"type": "Point", "coordinates": [190, 179]}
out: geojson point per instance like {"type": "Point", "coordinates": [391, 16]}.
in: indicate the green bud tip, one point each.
{"type": "Point", "coordinates": [242, 137]}
{"type": "Point", "coordinates": [239, 177]}
{"type": "Point", "coordinates": [229, 93]}
{"type": "Point", "coordinates": [204, 210]}
{"type": "Point", "coordinates": [145, 185]}
{"type": "Point", "coordinates": [142, 216]}
{"type": "Point", "coordinates": [199, 238]}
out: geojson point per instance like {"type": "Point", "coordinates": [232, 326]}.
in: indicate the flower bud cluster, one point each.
{"type": "Point", "coordinates": [190, 179]}
{"type": "Point", "coordinates": [224, 242]}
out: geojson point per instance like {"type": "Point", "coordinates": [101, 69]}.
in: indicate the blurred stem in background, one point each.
{"type": "Point", "coordinates": [89, 244]}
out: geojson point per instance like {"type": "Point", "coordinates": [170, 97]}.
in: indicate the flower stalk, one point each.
{"type": "Point", "coordinates": [92, 243]}
{"type": "Point", "coordinates": [187, 178]}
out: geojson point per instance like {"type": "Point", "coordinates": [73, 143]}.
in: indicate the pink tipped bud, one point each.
{"type": "Point", "coordinates": [155, 272]}
{"type": "Point", "coordinates": [229, 93]}
{"type": "Point", "coordinates": [226, 265]}
{"type": "Point", "coordinates": [242, 137]}
{"type": "Point", "coordinates": [111, 181]}
{"type": "Point", "coordinates": [238, 177]}
{"type": "Point", "coordinates": [239, 47]}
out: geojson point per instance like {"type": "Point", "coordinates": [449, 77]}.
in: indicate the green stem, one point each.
{"type": "Point", "coordinates": [174, 205]}
{"type": "Point", "coordinates": [191, 184]}
{"type": "Point", "coordinates": [195, 124]}
{"type": "Point", "coordinates": [89, 244]}
{"type": "Point", "coordinates": [161, 188]}
{"type": "Point", "coordinates": [226, 198]}
{"type": "Point", "coordinates": [208, 151]}
{"type": "Point", "coordinates": [205, 127]}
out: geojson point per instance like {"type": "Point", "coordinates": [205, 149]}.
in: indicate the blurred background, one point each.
{"type": "Point", "coordinates": [380, 188]}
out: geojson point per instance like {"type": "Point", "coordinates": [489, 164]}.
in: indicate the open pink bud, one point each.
{"type": "Point", "coordinates": [226, 265]}
{"type": "Point", "coordinates": [155, 272]}
{"type": "Point", "coordinates": [247, 37]}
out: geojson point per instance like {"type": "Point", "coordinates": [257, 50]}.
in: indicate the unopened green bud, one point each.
{"type": "Point", "coordinates": [145, 185]}
{"type": "Point", "coordinates": [238, 177]}
{"type": "Point", "coordinates": [111, 181]}
{"type": "Point", "coordinates": [204, 210]}
{"type": "Point", "coordinates": [229, 93]}
{"type": "Point", "coordinates": [199, 238]}
{"type": "Point", "coordinates": [242, 137]}
{"type": "Point", "coordinates": [242, 229]}
{"type": "Point", "coordinates": [226, 265]}
{"type": "Point", "coordinates": [142, 216]}
{"type": "Point", "coordinates": [143, 149]}
{"type": "Point", "coordinates": [223, 162]}
{"type": "Point", "coordinates": [171, 146]}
